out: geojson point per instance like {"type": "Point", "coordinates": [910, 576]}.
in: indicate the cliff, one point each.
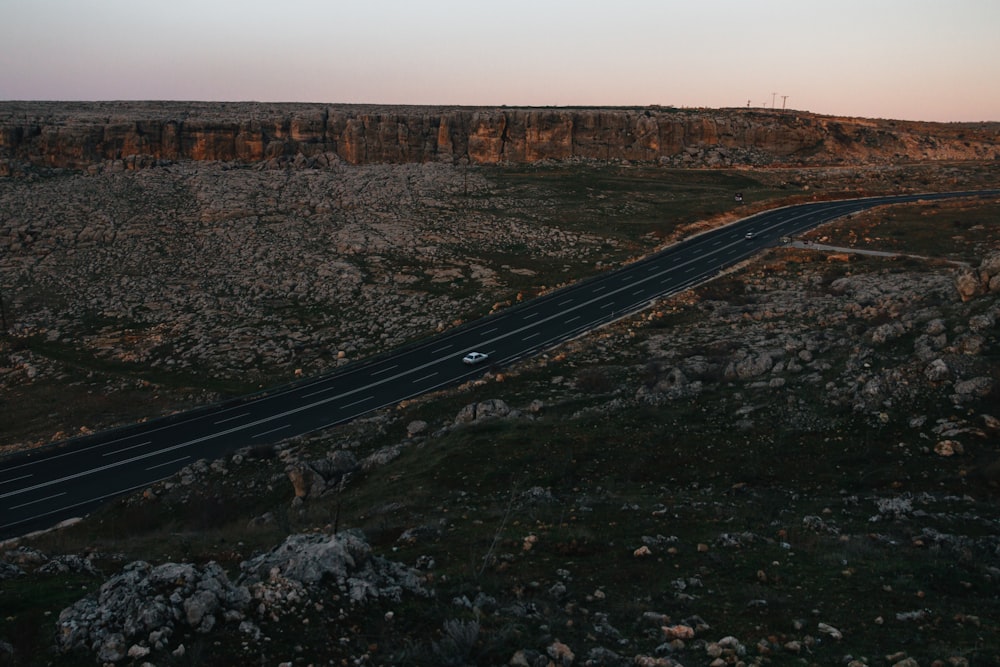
{"type": "Point", "coordinates": [75, 135]}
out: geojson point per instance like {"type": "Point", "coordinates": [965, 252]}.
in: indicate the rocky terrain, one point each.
{"type": "Point", "coordinates": [881, 481]}
{"type": "Point", "coordinates": [796, 463]}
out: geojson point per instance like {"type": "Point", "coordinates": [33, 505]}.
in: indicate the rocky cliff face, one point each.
{"type": "Point", "coordinates": [76, 135]}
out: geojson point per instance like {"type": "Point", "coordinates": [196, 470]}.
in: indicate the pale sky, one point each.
{"type": "Point", "coordinates": [902, 59]}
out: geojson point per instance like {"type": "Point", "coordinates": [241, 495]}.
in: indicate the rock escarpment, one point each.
{"type": "Point", "coordinates": [75, 135]}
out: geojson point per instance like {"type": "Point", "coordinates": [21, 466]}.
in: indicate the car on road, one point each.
{"type": "Point", "coordinates": [750, 235]}
{"type": "Point", "coordinates": [473, 358]}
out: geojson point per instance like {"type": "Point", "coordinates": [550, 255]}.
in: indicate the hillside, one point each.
{"type": "Point", "coordinates": [797, 463]}
{"type": "Point", "coordinates": [77, 135]}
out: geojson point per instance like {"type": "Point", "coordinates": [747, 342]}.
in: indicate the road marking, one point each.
{"type": "Point", "coordinates": [638, 292]}
{"type": "Point", "coordinates": [572, 319]}
{"type": "Point", "coordinates": [598, 288]}
{"type": "Point", "coordinates": [8, 481]}
{"type": "Point", "coordinates": [366, 398]}
{"type": "Point", "coordinates": [273, 430]}
{"type": "Point", "coordinates": [441, 349]}
{"type": "Point", "coordinates": [489, 331]}
{"type": "Point", "coordinates": [533, 313]}
{"type": "Point", "coordinates": [565, 301]}
{"type": "Point", "coordinates": [40, 500]}
{"type": "Point", "coordinates": [222, 421]}
{"type": "Point", "coordinates": [319, 391]}
{"type": "Point", "coordinates": [82, 502]}
{"type": "Point", "coordinates": [160, 465]}
{"type": "Point", "coordinates": [141, 444]}
{"type": "Point", "coordinates": [537, 333]}
{"type": "Point", "coordinates": [384, 370]}
{"type": "Point", "coordinates": [609, 304]}
{"type": "Point", "coordinates": [426, 377]}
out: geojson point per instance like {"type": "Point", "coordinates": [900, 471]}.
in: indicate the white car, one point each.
{"type": "Point", "coordinates": [750, 235]}
{"type": "Point", "coordinates": [473, 358]}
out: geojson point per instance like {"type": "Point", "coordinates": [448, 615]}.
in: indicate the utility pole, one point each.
{"type": "Point", "coordinates": [773, 95]}
{"type": "Point", "coordinates": [3, 318]}
{"type": "Point", "coordinates": [784, 98]}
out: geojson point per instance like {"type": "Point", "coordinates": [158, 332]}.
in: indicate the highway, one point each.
{"type": "Point", "coordinates": [45, 486]}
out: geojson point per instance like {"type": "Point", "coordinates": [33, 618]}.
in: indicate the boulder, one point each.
{"type": "Point", "coordinates": [144, 606]}
{"type": "Point", "coordinates": [344, 560]}
{"type": "Point", "coordinates": [937, 371]}
{"type": "Point", "coordinates": [968, 285]}
{"type": "Point", "coordinates": [493, 407]}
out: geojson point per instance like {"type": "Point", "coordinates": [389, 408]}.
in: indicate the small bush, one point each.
{"type": "Point", "coordinates": [456, 645]}
{"type": "Point", "coordinates": [595, 381]}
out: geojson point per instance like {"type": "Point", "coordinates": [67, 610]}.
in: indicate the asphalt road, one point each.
{"type": "Point", "coordinates": [43, 487]}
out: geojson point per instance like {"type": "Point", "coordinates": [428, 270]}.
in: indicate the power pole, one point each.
{"type": "Point", "coordinates": [773, 95]}
{"type": "Point", "coordinates": [784, 98]}
{"type": "Point", "coordinates": [3, 318]}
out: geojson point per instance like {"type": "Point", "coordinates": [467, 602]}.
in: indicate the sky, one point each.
{"type": "Point", "coordinates": [901, 59]}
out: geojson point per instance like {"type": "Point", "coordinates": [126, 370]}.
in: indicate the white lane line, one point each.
{"type": "Point", "coordinates": [384, 370]}
{"type": "Point", "coordinates": [533, 313]}
{"type": "Point", "coordinates": [223, 421]}
{"type": "Point", "coordinates": [572, 319]}
{"type": "Point", "coordinates": [443, 348]}
{"type": "Point", "coordinates": [40, 500]}
{"type": "Point", "coordinates": [319, 391]}
{"type": "Point", "coordinates": [691, 269]}
{"type": "Point", "coordinates": [489, 331]}
{"type": "Point", "coordinates": [366, 398]}
{"type": "Point", "coordinates": [82, 502]}
{"type": "Point", "coordinates": [425, 377]}
{"type": "Point", "coordinates": [119, 451]}
{"type": "Point", "coordinates": [565, 301]}
{"type": "Point", "coordinates": [598, 288]}
{"type": "Point", "coordinates": [537, 333]}
{"type": "Point", "coordinates": [638, 292]}
{"type": "Point", "coordinates": [14, 479]}
{"type": "Point", "coordinates": [160, 465]}
{"type": "Point", "coordinates": [273, 430]}
{"type": "Point", "coordinates": [609, 304]}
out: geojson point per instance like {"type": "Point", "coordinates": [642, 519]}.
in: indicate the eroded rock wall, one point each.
{"type": "Point", "coordinates": [75, 135]}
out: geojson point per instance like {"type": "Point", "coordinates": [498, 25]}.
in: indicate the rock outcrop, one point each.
{"type": "Point", "coordinates": [971, 283]}
{"type": "Point", "coordinates": [146, 609]}
{"type": "Point", "coordinates": [76, 135]}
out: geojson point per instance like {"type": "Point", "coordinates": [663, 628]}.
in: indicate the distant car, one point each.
{"type": "Point", "coordinates": [750, 235]}
{"type": "Point", "coordinates": [473, 358]}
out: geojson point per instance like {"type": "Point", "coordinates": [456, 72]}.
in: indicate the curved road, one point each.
{"type": "Point", "coordinates": [48, 485]}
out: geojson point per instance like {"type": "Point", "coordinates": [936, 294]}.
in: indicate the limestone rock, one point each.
{"type": "Point", "coordinates": [493, 407]}
{"type": "Point", "coordinates": [133, 135]}
{"type": "Point", "coordinates": [937, 371]}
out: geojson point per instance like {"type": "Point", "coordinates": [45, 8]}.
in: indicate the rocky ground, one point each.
{"type": "Point", "coordinates": [163, 277]}
{"type": "Point", "coordinates": [794, 464]}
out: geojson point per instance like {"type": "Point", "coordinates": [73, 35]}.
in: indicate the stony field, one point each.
{"type": "Point", "coordinates": [795, 464]}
